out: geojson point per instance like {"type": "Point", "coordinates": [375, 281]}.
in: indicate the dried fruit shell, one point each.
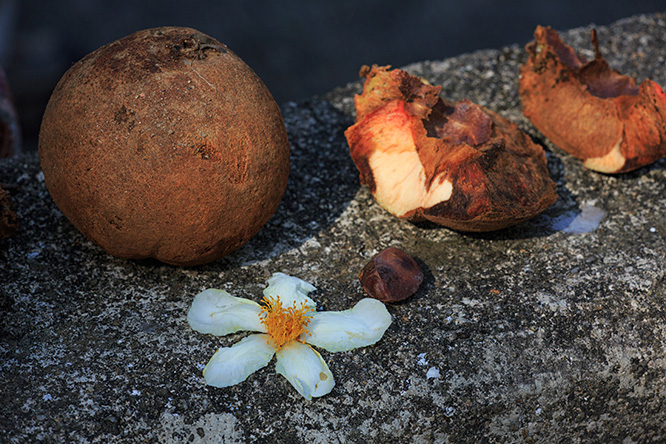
{"type": "Point", "coordinates": [590, 110]}
{"type": "Point", "coordinates": [459, 165]}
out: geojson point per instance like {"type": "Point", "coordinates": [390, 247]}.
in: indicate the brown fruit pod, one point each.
{"type": "Point", "coordinates": [459, 165]}
{"type": "Point", "coordinates": [391, 276]}
{"type": "Point", "coordinates": [590, 110]}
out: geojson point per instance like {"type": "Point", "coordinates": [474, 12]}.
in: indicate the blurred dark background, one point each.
{"type": "Point", "coordinates": [299, 48]}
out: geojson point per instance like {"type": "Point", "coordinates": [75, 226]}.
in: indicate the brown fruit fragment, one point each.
{"type": "Point", "coordinates": [8, 218]}
{"type": "Point", "coordinates": [590, 110]}
{"type": "Point", "coordinates": [164, 144]}
{"type": "Point", "coordinates": [10, 134]}
{"type": "Point", "coordinates": [391, 276]}
{"type": "Point", "coordinates": [456, 164]}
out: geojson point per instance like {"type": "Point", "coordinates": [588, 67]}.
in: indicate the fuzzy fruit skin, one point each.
{"type": "Point", "coordinates": [164, 144]}
{"type": "Point", "coordinates": [589, 110]}
{"type": "Point", "coordinates": [458, 165]}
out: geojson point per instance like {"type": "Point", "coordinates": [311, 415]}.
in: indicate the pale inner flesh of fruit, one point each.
{"type": "Point", "coordinates": [608, 163]}
{"type": "Point", "coordinates": [398, 173]}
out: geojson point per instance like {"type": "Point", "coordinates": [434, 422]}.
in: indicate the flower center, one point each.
{"type": "Point", "coordinates": [284, 324]}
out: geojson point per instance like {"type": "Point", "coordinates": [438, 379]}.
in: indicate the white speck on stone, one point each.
{"type": "Point", "coordinates": [433, 372]}
{"type": "Point", "coordinates": [47, 397]}
{"type": "Point", "coordinates": [422, 359]}
{"type": "Point", "coordinates": [449, 411]}
{"type": "Point", "coordinates": [653, 230]}
{"type": "Point", "coordinates": [538, 411]}
{"type": "Point", "coordinates": [552, 301]}
{"type": "Point", "coordinates": [136, 392]}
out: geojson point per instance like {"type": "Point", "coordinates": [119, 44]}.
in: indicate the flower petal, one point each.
{"type": "Point", "coordinates": [231, 365]}
{"type": "Point", "coordinates": [217, 312]}
{"type": "Point", "coordinates": [304, 369]}
{"type": "Point", "coordinates": [290, 289]}
{"type": "Point", "coordinates": [362, 325]}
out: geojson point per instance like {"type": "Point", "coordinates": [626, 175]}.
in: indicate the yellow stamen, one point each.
{"type": "Point", "coordinates": [284, 324]}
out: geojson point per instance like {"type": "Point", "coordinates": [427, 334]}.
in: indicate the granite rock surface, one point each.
{"type": "Point", "coordinates": [550, 331]}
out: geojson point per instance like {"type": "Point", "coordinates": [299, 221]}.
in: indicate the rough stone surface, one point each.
{"type": "Point", "coordinates": [550, 331]}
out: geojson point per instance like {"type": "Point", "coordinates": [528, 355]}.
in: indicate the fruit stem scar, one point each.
{"type": "Point", "coordinates": [191, 63]}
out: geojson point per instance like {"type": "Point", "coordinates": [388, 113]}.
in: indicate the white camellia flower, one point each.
{"type": "Point", "coordinates": [287, 324]}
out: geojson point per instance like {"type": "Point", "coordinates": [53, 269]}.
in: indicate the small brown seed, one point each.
{"type": "Point", "coordinates": [391, 276]}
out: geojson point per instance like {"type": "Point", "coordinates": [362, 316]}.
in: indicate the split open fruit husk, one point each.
{"type": "Point", "coordinates": [588, 109]}
{"type": "Point", "coordinates": [459, 165]}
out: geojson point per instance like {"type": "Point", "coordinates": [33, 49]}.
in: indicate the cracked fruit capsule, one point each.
{"type": "Point", "coordinates": [459, 164]}
{"type": "Point", "coordinates": [590, 110]}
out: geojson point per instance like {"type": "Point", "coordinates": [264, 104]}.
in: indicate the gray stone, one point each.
{"type": "Point", "coordinates": [537, 333]}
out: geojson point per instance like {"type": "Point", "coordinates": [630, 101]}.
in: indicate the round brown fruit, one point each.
{"type": "Point", "coordinates": [164, 144]}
